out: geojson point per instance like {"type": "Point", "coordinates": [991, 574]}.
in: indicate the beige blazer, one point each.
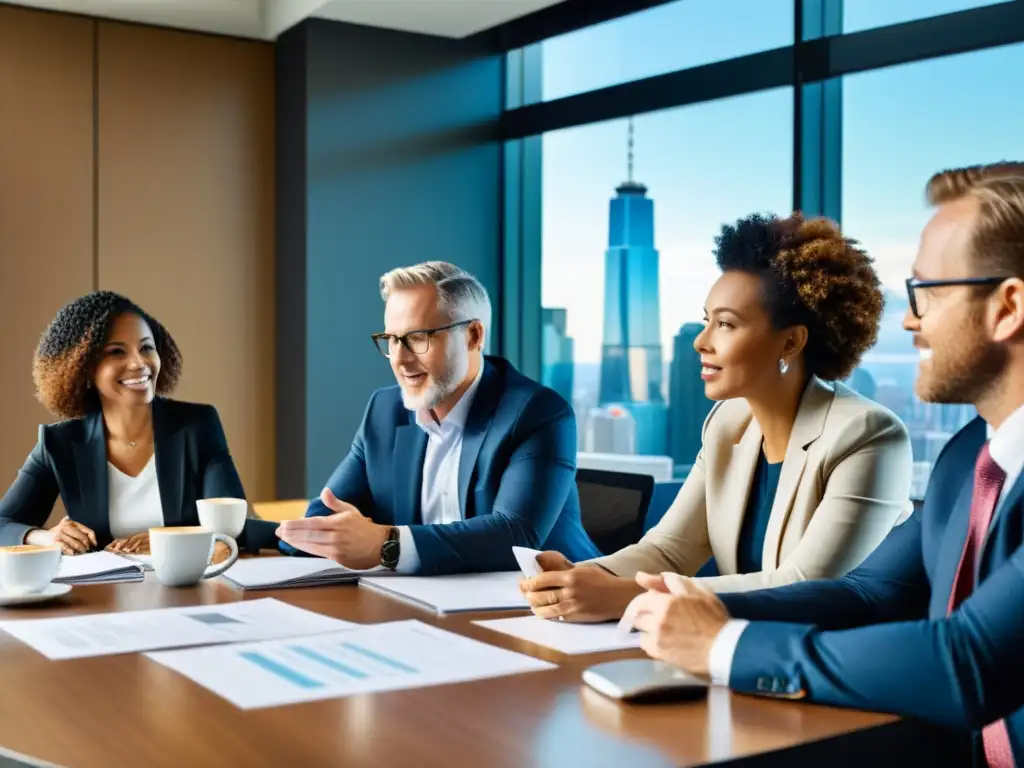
{"type": "Point", "coordinates": [844, 484]}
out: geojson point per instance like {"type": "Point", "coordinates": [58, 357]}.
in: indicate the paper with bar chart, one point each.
{"type": "Point", "coordinates": [104, 634]}
{"type": "Point", "coordinates": [367, 659]}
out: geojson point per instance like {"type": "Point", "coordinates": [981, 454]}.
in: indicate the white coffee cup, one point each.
{"type": "Point", "coordinates": [181, 555]}
{"type": "Point", "coordinates": [225, 516]}
{"type": "Point", "coordinates": [27, 568]}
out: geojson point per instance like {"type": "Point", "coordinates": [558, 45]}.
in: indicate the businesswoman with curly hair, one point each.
{"type": "Point", "coordinates": [798, 476]}
{"type": "Point", "coordinates": [126, 459]}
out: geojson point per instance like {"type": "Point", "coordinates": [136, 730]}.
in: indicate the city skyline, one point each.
{"type": "Point", "coordinates": [714, 162]}
{"type": "Point", "coordinates": [711, 163]}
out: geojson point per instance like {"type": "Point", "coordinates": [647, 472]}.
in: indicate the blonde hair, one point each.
{"type": "Point", "coordinates": [459, 294]}
{"type": "Point", "coordinates": [998, 188]}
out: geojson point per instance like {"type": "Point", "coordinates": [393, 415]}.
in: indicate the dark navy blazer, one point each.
{"type": "Point", "coordinates": [70, 459]}
{"type": "Point", "coordinates": [516, 475]}
{"type": "Point", "coordinates": [879, 638]}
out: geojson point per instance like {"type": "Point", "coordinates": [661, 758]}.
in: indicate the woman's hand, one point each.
{"type": "Point", "coordinates": [221, 552]}
{"type": "Point", "coordinates": [583, 594]}
{"type": "Point", "coordinates": [72, 538]}
{"type": "Point", "coordinates": [139, 545]}
{"type": "Point", "coordinates": [133, 545]}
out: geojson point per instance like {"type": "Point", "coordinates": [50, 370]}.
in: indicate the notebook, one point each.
{"type": "Point", "coordinates": [455, 594]}
{"type": "Point", "coordinates": [284, 572]}
{"type": "Point", "coordinates": [98, 568]}
{"type": "Point", "coordinates": [146, 561]}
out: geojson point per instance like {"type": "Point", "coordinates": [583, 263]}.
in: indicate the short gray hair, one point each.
{"type": "Point", "coordinates": [459, 294]}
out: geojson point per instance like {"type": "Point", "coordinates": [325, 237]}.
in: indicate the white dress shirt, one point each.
{"type": "Point", "coordinates": [439, 494]}
{"type": "Point", "coordinates": [1007, 450]}
{"type": "Point", "coordinates": [133, 502]}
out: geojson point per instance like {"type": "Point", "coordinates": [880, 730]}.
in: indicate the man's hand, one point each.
{"type": "Point", "coordinates": [347, 537]}
{"type": "Point", "coordinates": [679, 625]}
{"type": "Point", "coordinates": [584, 594]}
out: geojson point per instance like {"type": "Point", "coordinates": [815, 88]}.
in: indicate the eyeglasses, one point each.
{"type": "Point", "coordinates": [919, 307]}
{"type": "Point", "coordinates": [417, 342]}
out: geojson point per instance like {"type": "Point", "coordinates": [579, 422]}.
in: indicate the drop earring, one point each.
{"type": "Point", "coordinates": [783, 366]}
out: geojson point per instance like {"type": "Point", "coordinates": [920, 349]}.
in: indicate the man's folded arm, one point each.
{"type": "Point", "coordinates": [890, 585]}
{"type": "Point", "coordinates": [963, 671]}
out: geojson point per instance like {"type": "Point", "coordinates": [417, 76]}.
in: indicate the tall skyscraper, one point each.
{"type": "Point", "coordinates": [631, 366]}
{"type": "Point", "coordinates": [557, 352]}
{"type": "Point", "coordinates": [687, 404]}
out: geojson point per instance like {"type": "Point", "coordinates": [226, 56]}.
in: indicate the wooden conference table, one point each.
{"type": "Point", "coordinates": [127, 710]}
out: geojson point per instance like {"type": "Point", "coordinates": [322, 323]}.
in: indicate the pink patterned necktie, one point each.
{"type": "Point", "coordinates": [988, 484]}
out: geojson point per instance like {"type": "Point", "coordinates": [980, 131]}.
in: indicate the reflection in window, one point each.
{"type": "Point", "coordinates": [630, 211]}
{"type": "Point", "coordinates": [677, 35]}
{"type": "Point", "coordinates": [868, 14]}
{"type": "Point", "coordinates": [900, 125]}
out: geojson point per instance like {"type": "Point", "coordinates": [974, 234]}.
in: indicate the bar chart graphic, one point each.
{"type": "Point", "coordinates": [378, 657]}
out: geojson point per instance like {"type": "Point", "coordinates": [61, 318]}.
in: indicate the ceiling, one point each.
{"type": "Point", "coordinates": [266, 19]}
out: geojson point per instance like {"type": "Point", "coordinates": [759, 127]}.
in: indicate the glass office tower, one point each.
{"type": "Point", "coordinates": [557, 351]}
{"type": "Point", "coordinates": [631, 359]}
{"type": "Point", "coordinates": [688, 406]}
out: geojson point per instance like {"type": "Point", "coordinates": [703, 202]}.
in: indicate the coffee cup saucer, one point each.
{"type": "Point", "coordinates": [51, 592]}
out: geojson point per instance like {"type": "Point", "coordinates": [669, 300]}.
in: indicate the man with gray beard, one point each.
{"type": "Point", "coordinates": [462, 460]}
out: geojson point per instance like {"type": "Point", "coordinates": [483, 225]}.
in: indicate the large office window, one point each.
{"type": "Point", "coordinates": [677, 35]}
{"type": "Point", "coordinates": [611, 221]}
{"type": "Point", "coordinates": [868, 14]}
{"type": "Point", "coordinates": [900, 125]}
{"type": "Point", "coordinates": [630, 209]}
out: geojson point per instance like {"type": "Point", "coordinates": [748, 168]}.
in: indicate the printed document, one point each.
{"type": "Point", "coordinates": [98, 568]}
{"type": "Point", "coordinates": [455, 593]}
{"type": "Point", "coordinates": [563, 636]}
{"type": "Point", "coordinates": [283, 572]}
{"type": "Point", "coordinates": [376, 657]}
{"type": "Point", "coordinates": [106, 634]}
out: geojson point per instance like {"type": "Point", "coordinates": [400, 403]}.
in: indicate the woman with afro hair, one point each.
{"type": "Point", "coordinates": [799, 477]}
{"type": "Point", "coordinates": [125, 458]}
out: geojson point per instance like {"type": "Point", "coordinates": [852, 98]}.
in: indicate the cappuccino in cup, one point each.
{"type": "Point", "coordinates": [181, 555]}
{"type": "Point", "coordinates": [27, 568]}
{"type": "Point", "coordinates": [225, 516]}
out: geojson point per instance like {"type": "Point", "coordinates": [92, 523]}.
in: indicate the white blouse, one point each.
{"type": "Point", "coordinates": [134, 505]}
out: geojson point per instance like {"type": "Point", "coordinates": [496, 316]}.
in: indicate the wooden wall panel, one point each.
{"type": "Point", "coordinates": [186, 215]}
{"type": "Point", "coordinates": [46, 200]}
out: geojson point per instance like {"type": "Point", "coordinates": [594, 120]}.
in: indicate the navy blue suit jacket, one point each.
{"type": "Point", "coordinates": [879, 638]}
{"type": "Point", "coordinates": [516, 475]}
{"type": "Point", "coordinates": [70, 459]}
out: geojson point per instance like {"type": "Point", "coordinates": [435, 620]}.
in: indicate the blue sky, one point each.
{"type": "Point", "coordinates": [713, 162]}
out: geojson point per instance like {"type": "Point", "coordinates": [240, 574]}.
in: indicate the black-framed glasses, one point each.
{"type": "Point", "coordinates": [913, 284]}
{"type": "Point", "coordinates": [417, 342]}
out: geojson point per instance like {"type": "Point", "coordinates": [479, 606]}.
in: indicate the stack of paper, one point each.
{"type": "Point", "coordinates": [103, 634]}
{"type": "Point", "coordinates": [454, 594]}
{"type": "Point", "coordinates": [564, 636]}
{"type": "Point", "coordinates": [379, 657]}
{"type": "Point", "coordinates": [146, 561]}
{"type": "Point", "coordinates": [98, 568]}
{"type": "Point", "coordinates": [281, 572]}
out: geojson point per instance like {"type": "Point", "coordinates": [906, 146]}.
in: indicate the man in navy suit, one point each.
{"type": "Point", "coordinates": [932, 624]}
{"type": "Point", "coordinates": [462, 460]}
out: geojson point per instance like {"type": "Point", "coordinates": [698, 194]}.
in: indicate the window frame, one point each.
{"type": "Point", "coordinates": [813, 66]}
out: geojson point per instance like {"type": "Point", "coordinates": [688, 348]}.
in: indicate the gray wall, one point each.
{"type": "Point", "coordinates": [393, 158]}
